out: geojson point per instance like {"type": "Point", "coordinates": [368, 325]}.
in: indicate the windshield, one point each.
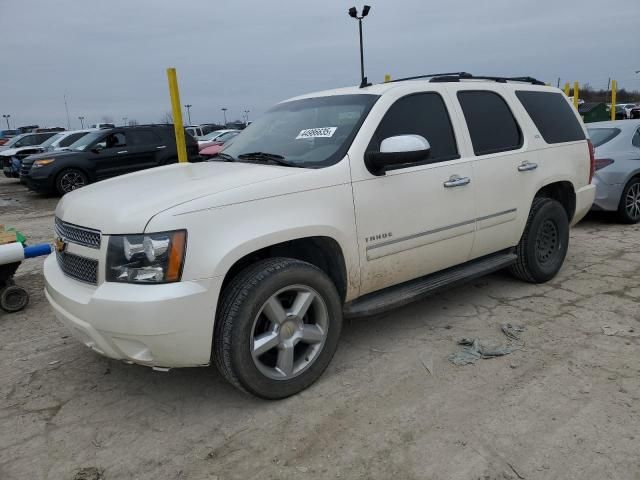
{"type": "Point", "coordinates": [600, 136]}
{"type": "Point", "coordinates": [211, 136]}
{"type": "Point", "coordinates": [15, 140]}
{"type": "Point", "coordinates": [49, 141]}
{"type": "Point", "coordinates": [312, 132]}
{"type": "Point", "coordinates": [226, 136]}
{"type": "Point", "coordinates": [85, 141]}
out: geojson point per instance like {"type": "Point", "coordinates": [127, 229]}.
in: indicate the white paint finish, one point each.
{"type": "Point", "coordinates": [174, 321]}
{"type": "Point", "coordinates": [125, 204]}
{"type": "Point", "coordinates": [233, 209]}
{"type": "Point", "coordinates": [407, 203]}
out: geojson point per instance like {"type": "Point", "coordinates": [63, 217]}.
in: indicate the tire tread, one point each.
{"type": "Point", "coordinates": [233, 296]}
{"type": "Point", "coordinates": [521, 269]}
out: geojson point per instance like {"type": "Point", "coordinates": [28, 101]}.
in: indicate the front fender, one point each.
{"type": "Point", "coordinates": [219, 237]}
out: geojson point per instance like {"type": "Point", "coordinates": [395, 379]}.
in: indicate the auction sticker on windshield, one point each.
{"type": "Point", "coordinates": [321, 132]}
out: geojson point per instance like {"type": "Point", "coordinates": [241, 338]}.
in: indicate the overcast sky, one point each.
{"type": "Point", "coordinates": [109, 57]}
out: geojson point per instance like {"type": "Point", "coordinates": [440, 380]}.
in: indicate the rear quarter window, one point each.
{"type": "Point", "coordinates": [600, 136]}
{"type": "Point", "coordinates": [552, 115]}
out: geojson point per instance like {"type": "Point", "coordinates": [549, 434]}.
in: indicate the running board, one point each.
{"type": "Point", "coordinates": [407, 292]}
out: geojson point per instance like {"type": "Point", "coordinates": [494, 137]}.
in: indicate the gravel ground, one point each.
{"type": "Point", "coordinates": [566, 406]}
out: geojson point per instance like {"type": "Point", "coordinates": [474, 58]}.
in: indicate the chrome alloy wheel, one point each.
{"type": "Point", "coordinates": [632, 201]}
{"type": "Point", "coordinates": [71, 181]}
{"type": "Point", "coordinates": [289, 332]}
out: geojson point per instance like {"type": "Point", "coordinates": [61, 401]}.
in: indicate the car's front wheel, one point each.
{"type": "Point", "coordinates": [277, 327]}
{"type": "Point", "coordinates": [69, 180]}
{"type": "Point", "coordinates": [629, 206]}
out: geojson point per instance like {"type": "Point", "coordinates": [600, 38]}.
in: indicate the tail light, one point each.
{"type": "Point", "coordinates": [603, 162]}
{"type": "Point", "coordinates": [592, 160]}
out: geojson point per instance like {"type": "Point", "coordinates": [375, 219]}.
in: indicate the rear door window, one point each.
{"type": "Point", "coordinates": [423, 114]}
{"type": "Point", "coordinates": [491, 124]}
{"type": "Point", "coordinates": [636, 139]}
{"type": "Point", "coordinates": [552, 115]}
{"type": "Point", "coordinates": [143, 137]}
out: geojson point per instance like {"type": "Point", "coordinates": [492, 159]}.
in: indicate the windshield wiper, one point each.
{"type": "Point", "coordinates": [224, 156]}
{"type": "Point", "coordinates": [268, 157]}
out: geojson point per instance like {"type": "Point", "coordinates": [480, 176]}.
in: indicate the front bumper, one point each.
{"type": "Point", "coordinates": [584, 200]}
{"type": "Point", "coordinates": [167, 325]}
{"type": "Point", "coordinates": [44, 184]}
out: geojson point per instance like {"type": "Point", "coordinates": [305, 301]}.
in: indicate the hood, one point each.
{"type": "Point", "coordinates": [10, 152]}
{"type": "Point", "coordinates": [54, 154]}
{"type": "Point", "coordinates": [125, 204]}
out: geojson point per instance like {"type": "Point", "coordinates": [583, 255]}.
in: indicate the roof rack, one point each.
{"type": "Point", "coordinates": [457, 76]}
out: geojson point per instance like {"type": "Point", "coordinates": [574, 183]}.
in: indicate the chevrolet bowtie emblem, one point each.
{"type": "Point", "coordinates": [60, 244]}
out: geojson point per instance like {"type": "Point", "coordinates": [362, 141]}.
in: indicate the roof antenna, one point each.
{"type": "Point", "coordinates": [353, 13]}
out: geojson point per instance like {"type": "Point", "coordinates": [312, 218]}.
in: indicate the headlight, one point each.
{"type": "Point", "coordinates": [152, 258]}
{"type": "Point", "coordinates": [43, 162]}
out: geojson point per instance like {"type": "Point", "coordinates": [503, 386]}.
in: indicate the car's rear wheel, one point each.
{"type": "Point", "coordinates": [70, 179]}
{"type": "Point", "coordinates": [629, 206]}
{"type": "Point", "coordinates": [277, 327]}
{"type": "Point", "coordinates": [544, 243]}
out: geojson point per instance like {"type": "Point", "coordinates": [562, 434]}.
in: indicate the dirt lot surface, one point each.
{"type": "Point", "coordinates": [391, 405]}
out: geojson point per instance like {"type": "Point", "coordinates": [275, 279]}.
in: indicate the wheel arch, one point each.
{"type": "Point", "coordinates": [562, 191]}
{"type": "Point", "coordinates": [323, 251]}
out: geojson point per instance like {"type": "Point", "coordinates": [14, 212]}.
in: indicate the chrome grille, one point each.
{"type": "Point", "coordinates": [81, 268]}
{"type": "Point", "coordinates": [80, 235]}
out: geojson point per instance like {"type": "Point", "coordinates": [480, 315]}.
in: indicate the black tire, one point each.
{"type": "Point", "coordinates": [70, 179]}
{"type": "Point", "coordinates": [13, 298]}
{"type": "Point", "coordinates": [238, 318]}
{"type": "Point", "coordinates": [629, 206]}
{"type": "Point", "coordinates": [544, 243]}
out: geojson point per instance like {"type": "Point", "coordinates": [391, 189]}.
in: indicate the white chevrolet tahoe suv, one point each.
{"type": "Point", "coordinates": [340, 203]}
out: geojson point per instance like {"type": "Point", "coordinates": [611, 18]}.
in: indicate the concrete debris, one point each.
{"type": "Point", "coordinates": [89, 473]}
{"type": "Point", "coordinates": [474, 349]}
{"type": "Point", "coordinates": [513, 332]}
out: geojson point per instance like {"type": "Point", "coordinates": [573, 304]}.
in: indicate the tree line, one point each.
{"type": "Point", "coordinates": [590, 94]}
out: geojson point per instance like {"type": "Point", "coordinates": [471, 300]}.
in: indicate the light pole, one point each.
{"type": "Point", "coordinates": [6, 117]}
{"type": "Point", "coordinates": [224, 114]}
{"type": "Point", "coordinates": [188, 107]}
{"type": "Point", "coordinates": [81, 118]}
{"type": "Point", "coordinates": [124, 121]}
{"type": "Point", "coordinates": [66, 107]}
{"type": "Point", "coordinates": [246, 117]}
{"type": "Point", "coordinates": [353, 13]}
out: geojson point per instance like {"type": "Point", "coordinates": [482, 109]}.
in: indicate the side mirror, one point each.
{"type": "Point", "coordinates": [398, 150]}
{"type": "Point", "coordinates": [97, 148]}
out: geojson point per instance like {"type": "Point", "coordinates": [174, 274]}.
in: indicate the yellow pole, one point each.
{"type": "Point", "coordinates": [576, 87]}
{"type": "Point", "coordinates": [614, 87]}
{"type": "Point", "coordinates": [177, 115]}
{"type": "Point", "coordinates": [387, 78]}
{"type": "Point", "coordinates": [567, 89]}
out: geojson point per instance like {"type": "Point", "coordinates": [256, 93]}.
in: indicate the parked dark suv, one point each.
{"type": "Point", "coordinates": [104, 154]}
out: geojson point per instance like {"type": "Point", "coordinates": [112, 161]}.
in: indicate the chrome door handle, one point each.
{"type": "Point", "coordinates": [122, 151]}
{"type": "Point", "coordinates": [526, 166]}
{"type": "Point", "coordinates": [457, 181]}
{"type": "Point", "coordinates": [161, 146]}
